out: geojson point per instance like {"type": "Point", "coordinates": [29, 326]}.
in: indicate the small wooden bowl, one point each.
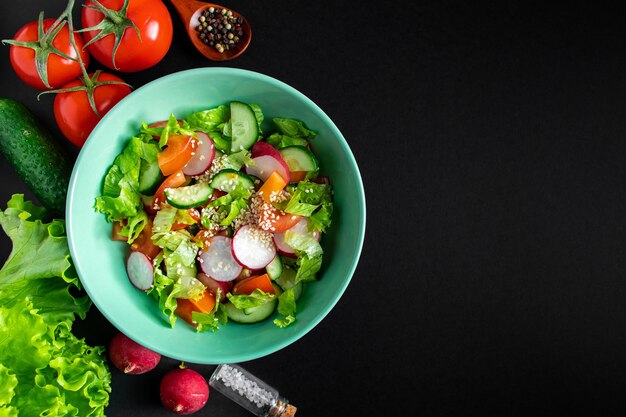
{"type": "Point", "coordinates": [191, 10]}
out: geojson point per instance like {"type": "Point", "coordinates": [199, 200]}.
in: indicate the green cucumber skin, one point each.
{"type": "Point", "coordinates": [35, 155]}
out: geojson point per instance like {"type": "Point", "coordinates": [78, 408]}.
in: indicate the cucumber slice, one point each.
{"type": "Point", "coordinates": [150, 177]}
{"type": "Point", "coordinates": [287, 279]}
{"type": "Point", "coordinates": [244, 127]}
{"type": "Point", "coordinates": [299, 158]}
{"type": "Point", "coordinates": [227, 180]}
{"type": "Point", "coordinates": [189, 196]}
{"type": "Point", "coordinates": [254, 315]}
{"type": "Point", "coordinates": [275, 268]}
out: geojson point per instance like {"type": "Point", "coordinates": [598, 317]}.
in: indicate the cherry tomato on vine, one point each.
{"type": "Point", "coordinates": [58, 70]}
{"type": "Point", "coordinates": [127, 35]}
{"type": "Point", "coordinates": [73, 112]}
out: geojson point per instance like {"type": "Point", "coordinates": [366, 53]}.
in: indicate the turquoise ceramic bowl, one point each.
{"type": "Point", "coordinates": [100, 262]}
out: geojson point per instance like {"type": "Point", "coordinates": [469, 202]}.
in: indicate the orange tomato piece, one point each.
{"type": "Point", "coordinates": [273, 185]}
{"type": "Point", "coordinates": [275, 221]}
{"type": "Point", "coordinates": [248, 285]}
{"type": "Point", "coordinates": [179, 151]}
{"type": "Point", "coordinates": [185, 307]}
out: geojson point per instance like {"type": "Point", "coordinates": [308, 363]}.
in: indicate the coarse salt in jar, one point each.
{"type": "Point", "coordinates": [250, 392]}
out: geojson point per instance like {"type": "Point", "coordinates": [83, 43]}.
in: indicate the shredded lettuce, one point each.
{"type": "Point", "coordinates": [237, 160]}
{"type": "Point", "coordinates": [172, 127]}
{"type": "Point", "coordinates": [209, 120]}
{"type": "Point", "coordinates": [282, 141]}
{"type": "Point", "coordinates": [314, 201]}
{"type": "Point", "coordinates": [254, 299]}
{"type": "Point", "coordinates": [164, 219]}
{"type": "Point", "coordinates": [134, 225]}
{"type": "Point", "coordinates": [211, 321]}
{"type": "Point", "coordinates": [286, 308]}
{"type": "Point", "coordinates": [44, 368]}
{"type": "Point", "coordinates": [120, 199]}
{"type": "Point", "coordinates": [225, 209]}
{"type": "Point", "coordinates": [309, 252]}
{"type": "Point", "coordinates": [293, 128]}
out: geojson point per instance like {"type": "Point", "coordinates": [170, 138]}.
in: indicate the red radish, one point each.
{"type": "Point", "coordinates": [253, 247]}
{"type": "Point", "coordinates": [265, 165]}
{"type": "Point", "coordinates": [203, 157]}
{"type": "Point", "coordinates": [264, 148]}
{"type": "Point", "coordinates": [213, 285]}
{"type": "Point", "coordinates": [163, 123]}
{"type": "Point", "coordinates": [218, 262]}
{"type": "Point", "coordinates": [322, 180]}
{"type": "Point", "coordinates": [130, 357]}
{"type": "Point", "coordinates": [184, 391]}
{"type": "Point", "coordinates": [300, 227]}
{"type": "Point", "coordinates": [140, 270]}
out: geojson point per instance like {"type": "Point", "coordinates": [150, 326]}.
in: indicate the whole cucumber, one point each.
{"type": "Point", "coordinates": [35, 155]}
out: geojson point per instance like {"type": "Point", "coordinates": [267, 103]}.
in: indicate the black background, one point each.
{"type": "Point", "coordinates": [491, 141]}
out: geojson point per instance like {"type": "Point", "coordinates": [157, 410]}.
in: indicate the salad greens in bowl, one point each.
{"type": "Point", "coordinates": [215, 215]}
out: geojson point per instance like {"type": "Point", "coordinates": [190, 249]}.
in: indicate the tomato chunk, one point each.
{"type": "Point", "coordinates": [179, 151]}
{"type": "Point", "coordinates": [144, 244]}
{"type": "Point", "coordinates": [274, 220]}
{"type": "Point", "coordinates": [185, 307]}
{"type": "Point", "coordinates": [248, 285]}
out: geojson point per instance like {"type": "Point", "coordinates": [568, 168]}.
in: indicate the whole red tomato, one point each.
{"type": "Point", "coordinates": [60, 70]}
{"type": "Point", "coordinates": [72, 110]}
{"type": "Point", "coordinates": [134, 53]}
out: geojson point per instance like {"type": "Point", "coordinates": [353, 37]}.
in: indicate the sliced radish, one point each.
{"type": "Point", "coordinates": [264, 148]}
{"type": "Point", "coordinates": [140, 271]}
{"type": "Point", "coordinates": [218, 262]}
{"type": "Point", "coordinates": [203, 157]}
{"type": "Point", "coordinates": [213, 285]}
{"type": "Point", "coordinates": [265, 165]}
{"type": "Point", "coordinates": [300, 227]}
{"type": "Point", "coordinates": [253, 247]}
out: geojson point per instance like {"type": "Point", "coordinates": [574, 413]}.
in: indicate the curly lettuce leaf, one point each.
{"type": "Point", "coordinates": [44, 368]}
{"type": "Point", "coordinates": [120, 197]}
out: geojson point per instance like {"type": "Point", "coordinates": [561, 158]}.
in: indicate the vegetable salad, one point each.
{"type": "Point", "coordinates": [223, 213]}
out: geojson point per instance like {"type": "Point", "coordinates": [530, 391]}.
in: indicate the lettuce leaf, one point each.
{"type": "Point", "coordinates": [44, 368]}
{"type": "Point", "coordinates": [254, 299]}
{"type": "Point", "coordinates": [209, 120]}
{"type": "Point", "coordinates": [120, 197]}
{"type": "Point", "coordinates": [286, 308]}
{"type": "Point", "coordinates": [314, 201]}
{"type": "Point", "coordinates": [292, 127]}
{"type": "Point", "coordinates": [282, 141]}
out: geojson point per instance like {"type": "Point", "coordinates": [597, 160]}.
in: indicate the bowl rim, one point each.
{"type": "Point", "coordinates": [308, 326]}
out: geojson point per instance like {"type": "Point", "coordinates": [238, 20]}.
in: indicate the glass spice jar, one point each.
{"type": "Point", "coordinates": [250, 392]}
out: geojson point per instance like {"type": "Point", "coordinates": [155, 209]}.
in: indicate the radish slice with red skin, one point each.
{"type": "Point", "coordinates": [264, 148]}
{"type": "Point", "coordinates": [218, 261]}
{"type": "Point", "coordinates": [300, 227]}
{"type": "Point", "coordinates": [213, 285]}
{"type": "Point", "coordinates": [203, 157]}
{"type": "Point", "coordinates": [265, 165]}
{"type": "Point", "coordinates": [252, 247]}
{"type": "Point", "coordinates": [140, 271]}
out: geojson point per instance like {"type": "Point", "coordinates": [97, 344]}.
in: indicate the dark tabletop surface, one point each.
{"type": "Point", "coordinates": [491, 142]}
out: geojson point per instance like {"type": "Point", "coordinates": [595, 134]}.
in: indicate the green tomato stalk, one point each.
{"type": "Point", "coordinates": [89, 83]}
